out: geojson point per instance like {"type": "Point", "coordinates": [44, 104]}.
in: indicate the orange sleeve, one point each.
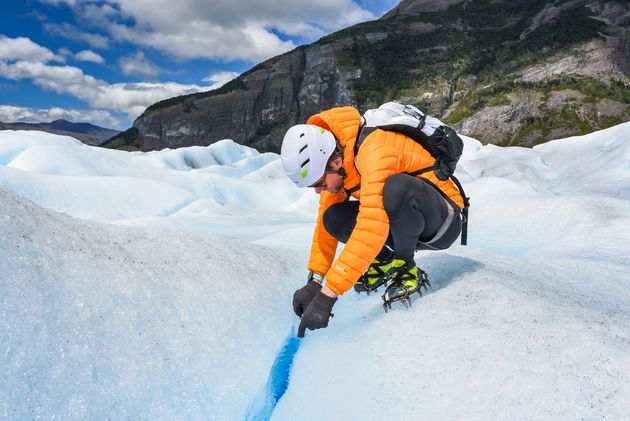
{"type": "Point", "coordinates": [324, 245]}
{"type": "Point", "coordinates": [380, 160]}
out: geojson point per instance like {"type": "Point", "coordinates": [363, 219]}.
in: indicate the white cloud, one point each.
{"type": "Point", "coordinates": [138, 64]}
{"type": "Point", "coordinates": [65, 30]}
{"type": "Point", "coordinates": [64, 52]}
{"type": "Point", "coordinates": [24, 49]}
{"type": "Point", "coordinates": [13, 114]}
{"type": "Point", "coordinates": [130, 98]}
{"type": "Point", "coordinates": [250, 43]}
{"type": "Point", "coordinates": [134, 98]}
{"type": "Point", "coordinates": [89, 55]}
{"type": "Point", "coordinates": [219, 79]}
{"type": "Point", "coordinates": [221, 29]}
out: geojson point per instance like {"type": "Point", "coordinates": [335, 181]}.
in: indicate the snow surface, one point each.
{"type": "Point", "coordinates": [157, 315]}
{"type": "Point", "coordinates": [124, 323]}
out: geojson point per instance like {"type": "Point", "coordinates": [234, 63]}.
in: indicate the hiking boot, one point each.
{"type": "Point", "coordinates": [407, 278]}
{"type": "Point", "coordinates": [377, 274]}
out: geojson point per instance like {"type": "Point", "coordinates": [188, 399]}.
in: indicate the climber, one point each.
{"type": "Point", "coordinates": [396, 213]}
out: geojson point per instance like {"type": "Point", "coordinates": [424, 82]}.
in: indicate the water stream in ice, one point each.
{"type": "Point", "coordinates": [278, 381]}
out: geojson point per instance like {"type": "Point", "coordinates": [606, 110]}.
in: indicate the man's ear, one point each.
{"type": "Point", "coordinates": [338, 162]}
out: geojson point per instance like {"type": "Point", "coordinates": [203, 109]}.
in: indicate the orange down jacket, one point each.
{"type": "Point", "coordinates": [381, 155]}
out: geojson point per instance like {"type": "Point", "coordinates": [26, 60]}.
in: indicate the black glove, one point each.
{"type": "Point", "coordinates": [317, 313]}
{"type": "Point", "coordinates": [303, 296]}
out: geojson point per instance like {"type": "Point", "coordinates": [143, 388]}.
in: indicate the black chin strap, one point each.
{"type": "Point", "coordinates": [342, 173]}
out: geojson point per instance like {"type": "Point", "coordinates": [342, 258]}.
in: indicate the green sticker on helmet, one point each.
{"type": "Point", "coordinates": [321, 131]}
{"type": "Point", "coordinates": [303, 173]}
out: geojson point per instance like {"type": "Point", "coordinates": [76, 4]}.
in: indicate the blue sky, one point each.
{"type": "Point", "coordinates": [105, 61]}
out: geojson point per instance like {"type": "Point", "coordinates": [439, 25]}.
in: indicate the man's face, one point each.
{"type": "Point", "coordinates": [331, 182]}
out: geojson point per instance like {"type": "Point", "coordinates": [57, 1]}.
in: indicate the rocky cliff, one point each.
{"type": "Point", "coordinates": [505, 72]}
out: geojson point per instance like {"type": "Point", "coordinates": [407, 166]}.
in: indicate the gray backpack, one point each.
{"type": "Point", "coordinates": [438, 139]}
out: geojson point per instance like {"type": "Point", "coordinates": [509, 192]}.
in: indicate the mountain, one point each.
{"type": "Point", "coordinates": [505, 72]}
{"type": "Point", "coordinates": [85, 132]}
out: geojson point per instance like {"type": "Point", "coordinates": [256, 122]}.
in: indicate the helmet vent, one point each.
{"type": "Point", "coordinates": [303, 147]}
{"type": "Point", "coordinates": [302, 135]}
{"type": "Point", "coordinates": [305, 162]}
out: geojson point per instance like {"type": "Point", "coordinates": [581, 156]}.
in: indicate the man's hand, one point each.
{"type": "Point", "coordinates": [303, 296]}
{"type": "Point", "coordinates": [317, 313]}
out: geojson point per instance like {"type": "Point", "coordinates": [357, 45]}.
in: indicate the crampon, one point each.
{"type": "Point", "coordinates": [379, 273]}
{"type": "Point", "coordinates": [396, 292]}
{"type": "Point", "coordinates": [370, 288]}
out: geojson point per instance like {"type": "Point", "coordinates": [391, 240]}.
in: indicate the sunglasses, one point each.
{"type": "Point", "coordinates": [320, 183]}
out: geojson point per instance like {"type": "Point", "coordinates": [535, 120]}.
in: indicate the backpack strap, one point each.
{"type": "Point", "coordinates": [423, 170]}
{"type": "Point", "coordinates": [363, 133]}
{"type": "Point", "coordinates": [465, 198]}
{"type": "Point", "coordinates": [464, 211]}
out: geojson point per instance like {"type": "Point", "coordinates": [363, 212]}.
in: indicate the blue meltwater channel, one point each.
{"type": "Point", "coordinates": [278, 381]}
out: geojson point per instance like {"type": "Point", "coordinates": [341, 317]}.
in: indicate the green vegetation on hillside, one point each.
{"type": "Point", "coordinates": [540, 128]}
{"type": "Point", "coordinates": [592, 88]}
{"type": "Point", "coordinates": [389, 67]}
{"type": "Point", "coordinates": [567, 116]}
{"type": "Point", "coordinates": [575, 26]}
{"type": "Point", "coordinates": [127, 140]}
{"type": "Point", "coordinates": [497, 94]}
{"type": "Point", "coordinates": [481, 38]}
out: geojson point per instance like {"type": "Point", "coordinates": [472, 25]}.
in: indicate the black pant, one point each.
{"type": "Point", "coordinates": [416, 212]}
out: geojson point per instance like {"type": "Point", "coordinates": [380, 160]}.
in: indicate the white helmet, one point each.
{"type": "Point", "coordinates": [305, 151]}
